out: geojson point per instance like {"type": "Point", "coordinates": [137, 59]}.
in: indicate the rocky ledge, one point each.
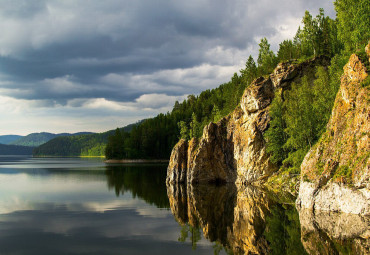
{"type": "Point", "coordinates": [233, 149]}
{"type": "Point", "coordinates": [335, 173]}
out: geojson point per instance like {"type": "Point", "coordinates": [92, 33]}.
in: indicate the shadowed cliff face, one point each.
{"type": "Point", "coordinates": [244, 220]}
{"type": "Point", "coordinates": [233, 149]}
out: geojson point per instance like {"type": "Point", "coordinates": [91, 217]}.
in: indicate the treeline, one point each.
{"type": "Point", "coordinates": [15, 150]}
{"type": "Point", "coordinates": [37, 139]}
{"type": "Point", "coordinates": [154, 138]}
{"type": "Point", "coordinates": [78, 145]}
{"type": "Point", "coordinates": [299, 116]}
{"type": "Point", "coordinates": [319, 35]}
{"type": "Point", "coordinates": [145, 182]}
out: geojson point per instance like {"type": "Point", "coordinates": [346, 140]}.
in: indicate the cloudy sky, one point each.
{"type": "Point", "coordinates": [92, 65]}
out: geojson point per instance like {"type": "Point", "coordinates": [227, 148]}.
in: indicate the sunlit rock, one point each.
{"type": "Point", "coordinates": [336, 171]}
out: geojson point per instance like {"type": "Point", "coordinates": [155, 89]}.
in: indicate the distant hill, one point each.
{"type": "Point", "coordinates": [15, 150]}
{"type": "Point", "coordinates": [36, 139]}
{"type": "Point", "coordinates": [7, 139]}
{"type": "Point", "coordinates": [78, 145]}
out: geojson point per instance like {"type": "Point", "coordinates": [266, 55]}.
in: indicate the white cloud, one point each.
{"type": "Point", "coordinates": [181, 80]}
{"type": "Point", "coordinates": [95, 65]}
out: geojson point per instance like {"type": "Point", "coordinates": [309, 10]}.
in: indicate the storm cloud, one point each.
{"type": "Point", "coordinates": [107, 60]}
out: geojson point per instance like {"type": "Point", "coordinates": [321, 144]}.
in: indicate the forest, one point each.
{"type": "Point", "coordinates": [296, 124]}
{"type": "Point", "coordinates": [79, 144]}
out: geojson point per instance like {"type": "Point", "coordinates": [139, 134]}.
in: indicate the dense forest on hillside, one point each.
{"type": "Point", "coordinates": [296, 125]}
{"type": "Point", "coordinates": [36, 139]}
{"type": "Point", "coordinates": [80, 144]}
{"type": "Point", "coordinates": [15, 150]}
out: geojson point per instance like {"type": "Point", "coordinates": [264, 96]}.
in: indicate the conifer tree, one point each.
{"type": "Point", "coordinates": [266, 58]}
{"type": "Point", "coordinates": [275, 135]}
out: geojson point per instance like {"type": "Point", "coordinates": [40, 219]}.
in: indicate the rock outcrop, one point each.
{"type": "Point", "coordinates": [336, 171]}
{"type": "Point", "coordinates": [233, 149]}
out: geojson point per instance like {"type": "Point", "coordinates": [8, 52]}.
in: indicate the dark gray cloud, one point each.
{"type": "Point", "coordinates": [60, 51]}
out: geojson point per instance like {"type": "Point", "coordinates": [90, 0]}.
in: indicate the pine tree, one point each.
{"type": "Point", "coordinates": [194, 127]}
{"type": "Point", "coordinates": [266, 58]}
{"type": "Point", "coordinates": [184, 130]}
{"type": "Point", "coordinates": [353, 22]}
{"type": "Point", "coordinates": [275, 135]}
{"type": "Point", "coordinates": [250, 71]}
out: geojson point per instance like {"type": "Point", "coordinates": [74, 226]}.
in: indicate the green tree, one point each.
{"type": "Point", "coordinates": [266, 58]}
{"type": "Point", "coordinates": [216, 114]}
{"type": "Point", "coordinates": [301, 123]}
{"type": "Point", "coordinates": [307, 35]}
{"type": "Point", "coordinates": [318, 36]}
{"type": "Point", "coordinates": [299, 115]}
{"type": "Point", "coordinates": [324, 93]}
{"type": "Point", "coordinates": [250, 72]}
{"type": "Point", "coordinates": [275, 135]}
{"type": "Point", "coordinates": [287, 50]}
{"type": "Point", "coordinates": [353, 22]}
{"type": "Point", "coordinates": [115, 146]}
{"type": "Point", "coordinates": [184, 130]}
{"type": "Point", "coordinates": [195, 130]}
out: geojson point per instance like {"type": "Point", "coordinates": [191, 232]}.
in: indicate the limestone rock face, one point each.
{"type": "Point", "coordinates": [233, 149]}
{"type": "Point", "coordinates": [336, 171]}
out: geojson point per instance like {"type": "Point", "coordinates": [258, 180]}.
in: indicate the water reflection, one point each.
{"type": "Point", "coordinates": [143, 182]}
{"type": "Point", "coordinates": [334, 233]}
{"type": "Point", "coordinates": [244, 220]}
{"type": "Point", "coordinates": [73, 208]}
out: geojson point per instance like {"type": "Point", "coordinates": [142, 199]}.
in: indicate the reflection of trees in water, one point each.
{"type": "Point", "coordinates": [239, 220]}
{"type": "Point", "coordinates": [145, 182]}
{"type": "Point", "coordinates": [191, 232]}
{"type": "Point", "coordinates": [283, 232]}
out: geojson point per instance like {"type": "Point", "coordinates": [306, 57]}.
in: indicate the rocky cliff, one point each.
{"type": "Point", "coordinates": [233, 149]}
{"type": "Point", "coordinates": [335, 173]}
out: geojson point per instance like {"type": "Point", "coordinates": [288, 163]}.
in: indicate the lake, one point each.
{"type": "Point", "coordinates": [83, 206]}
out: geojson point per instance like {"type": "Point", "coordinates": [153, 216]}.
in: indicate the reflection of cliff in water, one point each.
{"type": "Point", "coordinates": [145, 182]}
{"type": "Point", "coordinates": [334, 233]}
{"type": "Point", "coordinates": [243, 220]}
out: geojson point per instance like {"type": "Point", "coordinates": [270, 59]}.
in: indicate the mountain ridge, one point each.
{"type": "Point", "coordinates": [37, 139]}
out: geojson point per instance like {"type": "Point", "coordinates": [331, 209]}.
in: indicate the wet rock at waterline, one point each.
{"type": "Point", "coordinates": [330, 232]}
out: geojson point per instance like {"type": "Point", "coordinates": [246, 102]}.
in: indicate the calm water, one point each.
{"type": "Point", "coordinates": [82, 206]}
